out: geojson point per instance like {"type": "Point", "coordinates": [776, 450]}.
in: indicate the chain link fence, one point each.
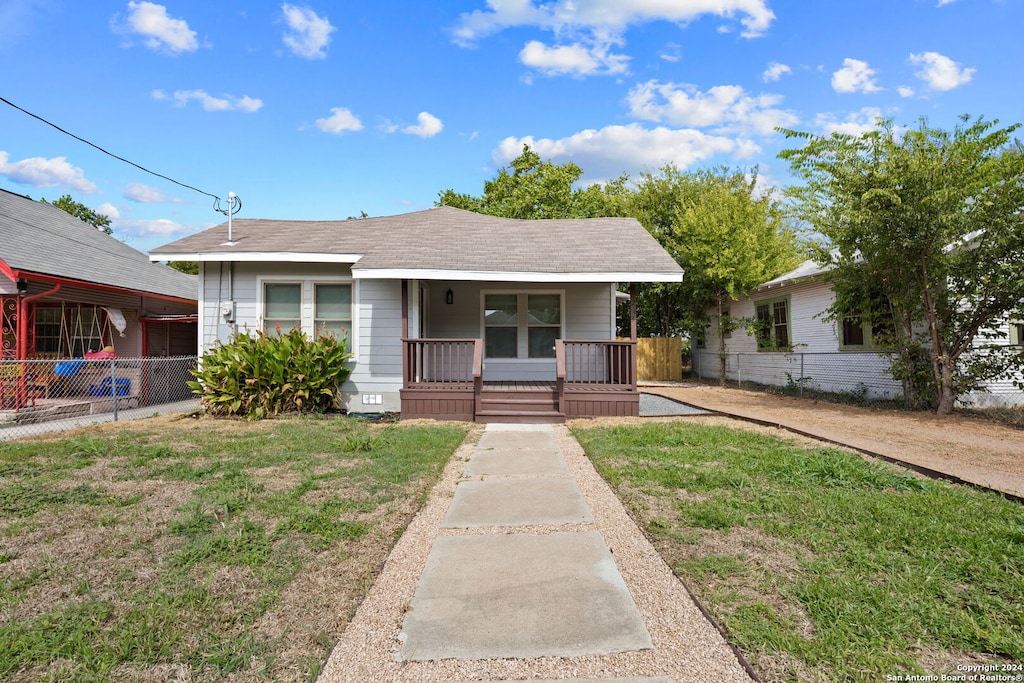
{"type": "Point", "coordinates": [852, 376]}
{"type": "Point", "coordinates": [36, 394]}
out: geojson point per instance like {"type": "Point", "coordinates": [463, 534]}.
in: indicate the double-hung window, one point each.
{"type": "Point", "coordinates": [1017, 332]}
{"type": "Point", "coordinates": [332, 308]}
{"type": "Point", "coordinates": [521, 325]}
{"type": "Point", "coordinates": [315, 307]}
{"type": "Point", "coordinates": [773, 325]}
{"type": "Point", "coordinates": [282, 306]}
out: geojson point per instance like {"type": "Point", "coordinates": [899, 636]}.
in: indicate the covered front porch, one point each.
{"type": "Point", "coordinates": [444, 379]}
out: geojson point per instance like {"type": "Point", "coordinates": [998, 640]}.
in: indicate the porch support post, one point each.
{"type": "Point", "coordinates": [405, 309]}
{"type": "Point", "coordinates": [632, 311]}
{"type": "Point", "coordinates": [405, 332]}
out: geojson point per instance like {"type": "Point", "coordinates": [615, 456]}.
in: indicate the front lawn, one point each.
{"type": "Point", "coordinates": [818, 564]}
{"type": "Point", "coordinates": [200, 549]}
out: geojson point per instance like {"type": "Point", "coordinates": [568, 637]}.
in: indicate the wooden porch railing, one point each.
{"type": "Point", "coordinates": [597, 364]}
{"type": "Point", "coordinates": [442, 363]}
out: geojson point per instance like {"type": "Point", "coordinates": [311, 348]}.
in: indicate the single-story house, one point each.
{"type": "Point", "coordinates": [67, 288]}
{"type": "Point", "coordinates": [449, 313]}
{"type": "Point", "coordinates": [798, 346]}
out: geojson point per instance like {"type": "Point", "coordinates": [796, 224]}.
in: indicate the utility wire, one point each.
{"type": "Point", "coordinates": [110, 154]}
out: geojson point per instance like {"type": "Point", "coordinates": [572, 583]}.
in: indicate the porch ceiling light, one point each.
{"type": "Point", "coordinates": [449, 297]}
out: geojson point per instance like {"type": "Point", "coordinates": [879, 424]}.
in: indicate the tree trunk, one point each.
{"type": "Point", "coordinates": [943, 363]}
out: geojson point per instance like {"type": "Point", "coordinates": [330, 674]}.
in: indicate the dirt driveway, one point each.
{"type": "Point", "coordinates": [970, 448]}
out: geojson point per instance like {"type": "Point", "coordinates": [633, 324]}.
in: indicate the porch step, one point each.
{"type": "Point", "coordinates": [521, 416]}
{"type": "Point", "coordinates": [537, 404]}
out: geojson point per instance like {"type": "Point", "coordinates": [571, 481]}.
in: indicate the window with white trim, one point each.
{"type": "Point", "coordinates": [1017, 332]}
{"type": "Point", "coordinates": [773, 324]}
{"type": "Point", "coordinates": [521, 324]}
{"type": "Point", "coordinates": [282, 306]}
{"type": "Point", "coordinates": [332, 308]}
{"type": "Point", "coordinates": [313, 306]}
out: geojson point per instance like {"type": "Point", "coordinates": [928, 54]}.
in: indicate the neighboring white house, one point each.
{"type": "Point", "coordinates": [799, 346]}
{"type": "Point", "coordinates": [392, 284]}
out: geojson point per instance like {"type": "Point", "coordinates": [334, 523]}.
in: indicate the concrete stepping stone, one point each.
{"type": "Point", "coordinates": [517, 502]}
{"type": "Point", "coordinates": [520, 595]}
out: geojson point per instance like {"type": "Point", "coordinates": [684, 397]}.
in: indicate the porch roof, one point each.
{"type": "Point", "coordinates": [42, 242]}
{"type": "Point", "coordinates": [445, 243]}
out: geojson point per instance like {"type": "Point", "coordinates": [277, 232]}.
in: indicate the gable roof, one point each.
{"type": "Point", "coordinates": [807, 270]}
{"type": "Point", "coordinates": [42, 240]}
{"type": "Point", "coordinates": [446, 242]}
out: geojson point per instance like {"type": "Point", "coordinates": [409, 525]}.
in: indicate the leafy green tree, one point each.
{"type": "Point", "coordinates": [726, 235]}
{"type": "Point", "coordinates": [934, 219]}
{"type": "Point", "coordinates": [82, 212]}
{"type": "Point", "coordinates": [531, 188]}
{"type": "Point", "coordinates": [187, 267]}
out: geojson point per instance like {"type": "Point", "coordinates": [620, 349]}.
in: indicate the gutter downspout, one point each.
{"type": "Point", "coordinates": [23, 302]}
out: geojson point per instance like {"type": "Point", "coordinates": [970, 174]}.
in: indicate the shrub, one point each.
{"type": "Point", "coordinates": [258, 375]}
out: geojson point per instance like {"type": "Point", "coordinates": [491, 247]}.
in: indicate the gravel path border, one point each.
{"type": "Point", "coordinates": [686, 645]}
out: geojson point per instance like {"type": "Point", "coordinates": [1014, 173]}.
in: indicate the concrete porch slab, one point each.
{"type": "Point", "coordinates": [514, 502]}
{"type": "Point", "coordinates": [520, 595]}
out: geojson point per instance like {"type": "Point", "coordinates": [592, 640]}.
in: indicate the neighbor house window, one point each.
{"type": "Point", "coordinates": [69, 331]}
{"type": "Point", "coordinates": [282, 306]}
{"type": "Point", "coordinates": [522, 325]}
{"type": "Point", "coordinates": [773, 325]}
{"type": "Point", "coordinates": [332, 309]}
{"type": "Point", "coordinates": [856, 332]}
{"type": "Point", "coordinates": [1016, 332]}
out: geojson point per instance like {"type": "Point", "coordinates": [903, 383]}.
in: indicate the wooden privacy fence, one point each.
{"type": "Point", "coordinates": [659, 359]}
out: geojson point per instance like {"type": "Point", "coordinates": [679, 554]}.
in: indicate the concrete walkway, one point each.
{"type": "Point", "coordinates": [524, 565]}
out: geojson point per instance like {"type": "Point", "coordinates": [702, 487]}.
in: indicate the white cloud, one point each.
{"type": "Point", "coordinates": [143, 227]}
{"type": "Point", "coordinates": [608, 152]}
{"type": "Point", "coordinates": [855, 76]}
{"type": "Point", "coordinates": [606, 16]}
{"type": "Point", "coordinates": [340, 120]}
{"type": "Point", "coordinates": [209, 102]}
{"type": "Point", "coordinates": [906, 91]}
{"type": "Point", "coordinates": [775, 71]}
{"type": "Point", "coordinates": [939, 71]}
{"type": "Point", "coordinates": [309, 34]}
{"type": "Point", "coordinates": [159, 31]}
{"type": "Point", "coordinates": [577, 59]}
{"type": "Point", "coordinates": [39, 172]}
{"type": "Point", "coordinates": [855, 124]}
{"type": "Point", "coordinates": [428, 126]}
{"type": "Point", "coordinates": [109, 210]}
{"type": "Point", "coordinates": [144, 194]}
{"type": "Point", "coordinates": [729, 108]}
{"type": "Point", "coordinates": [945, 2]}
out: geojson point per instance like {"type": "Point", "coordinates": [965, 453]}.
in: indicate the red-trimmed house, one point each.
{"type": "Point", "coordinates": [67, 288]}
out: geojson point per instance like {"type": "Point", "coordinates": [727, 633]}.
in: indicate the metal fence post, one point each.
{"type": "Point", "coordinates": [801, 375]}
{"type": "Point", "coordinates": [739, 373]}
{"type": "Point", "coordinates": [113, 387]}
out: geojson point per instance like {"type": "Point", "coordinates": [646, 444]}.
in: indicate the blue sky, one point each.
{"type": "Point", "coordinates": [326, 109]}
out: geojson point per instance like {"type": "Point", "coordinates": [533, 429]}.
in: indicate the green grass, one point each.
{"type": "Point", "coordinates": [252, 507]}
{"type": "Point", "coordinates": [839, 567]}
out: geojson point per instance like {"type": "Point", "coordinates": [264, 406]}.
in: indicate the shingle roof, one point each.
{"type": "Point", "coordinates": [40, 238]}
{"type": "Point", "coordinates": [446, 239]}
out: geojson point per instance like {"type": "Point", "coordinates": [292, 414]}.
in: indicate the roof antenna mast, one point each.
{"type": "Point", "coordinates": [234, 206]}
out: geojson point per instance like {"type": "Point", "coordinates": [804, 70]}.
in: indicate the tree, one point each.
{"type": "Point", "coordinates": [933, 220]}
{"type": "Point", "coordinates": [531, 188]}
{"type": "Point", "coordinates": [726, 235]}
{"type": "Point", "coordinates": [187, 267]}
{"type": "Point", "coordinates": [82, 212]}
